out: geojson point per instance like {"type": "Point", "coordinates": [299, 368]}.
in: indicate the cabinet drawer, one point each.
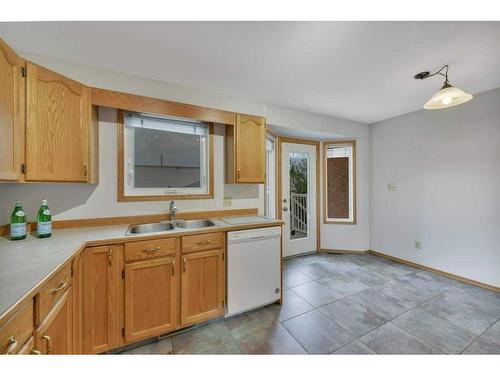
{"type": "Point", "coordinates": [15, 332]}
{"type": "Point", "coordinates": [202, 242]}
{"type": "Point", "coordinates": [149, 249]}
{"type": "Point", "coordinates": [52, 291]}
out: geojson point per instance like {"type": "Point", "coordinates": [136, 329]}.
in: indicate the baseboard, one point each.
{"type": "Point", "coordinates": [342, 251]}
{"type": "Point", "coordinates": [436, 271]}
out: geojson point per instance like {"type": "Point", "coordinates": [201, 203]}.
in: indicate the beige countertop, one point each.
{"type": "Point", "coordinates": [26, 263]}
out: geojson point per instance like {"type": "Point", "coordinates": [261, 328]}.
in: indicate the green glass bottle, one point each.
{"type": "Point", "coordinates": [44, 221]}
{"type": "Point", "coordinates": [18, 222]}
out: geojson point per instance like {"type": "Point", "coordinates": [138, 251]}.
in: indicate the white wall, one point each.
{"type": "Point", "coordinates": [71, 201]}
{"type": "Point", "coordinates": [446, 166]}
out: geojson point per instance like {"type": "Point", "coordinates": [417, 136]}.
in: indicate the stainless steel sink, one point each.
{"type": "Point", "coordinates": [149, 228]}
{"type": "Point", "coordinates": [194, 224]}
{"type": "Point", "coordinates": [166, 226]}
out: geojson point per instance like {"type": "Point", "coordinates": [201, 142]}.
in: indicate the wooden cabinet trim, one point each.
{"type": "Point", "coordinates": [132, 102]}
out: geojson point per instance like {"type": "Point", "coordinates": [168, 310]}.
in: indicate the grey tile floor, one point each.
{"type": "Point", "coordinates": [353, 304]}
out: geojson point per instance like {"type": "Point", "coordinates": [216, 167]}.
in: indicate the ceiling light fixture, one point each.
{"type": "Point", "coordinates": [448, 96]}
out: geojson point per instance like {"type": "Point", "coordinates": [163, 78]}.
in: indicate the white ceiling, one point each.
{"type": "Point", "coordinates": [360, 71]}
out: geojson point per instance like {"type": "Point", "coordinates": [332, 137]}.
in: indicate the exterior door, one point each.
{"type": "Point", "coordinates": [298, 198]}
{"type": "Point", "coordinates": [202, 291]}
{"type": "Point", "coordinates": [150, 298]}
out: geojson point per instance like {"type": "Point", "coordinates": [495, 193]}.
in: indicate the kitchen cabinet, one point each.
{"type": "Point", "coordinates": [77, 286]}
{"type": "Point", "coordinates": [12, 69]}
{"type": "Point", "coordinates": [102, 303]}
{"type": "Point", "coordinates": [246, 150]}
{"type": "Point", "coordinates": [17, 330]}
{"type": "Point", "coordinates": [58, 126]}
{"type": "Point", "coordinates": [55, 334]}
{"type": "Point", "coordinates": [202, 286]}
{"type": "Point", "coordinates": [150, 298]}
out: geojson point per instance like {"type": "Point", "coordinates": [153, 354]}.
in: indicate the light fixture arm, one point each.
{"type": "Point", "coordinates": [424, 75]}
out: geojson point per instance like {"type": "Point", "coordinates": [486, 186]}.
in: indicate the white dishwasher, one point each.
{"type": "Point", "coordinates": [253, 269]}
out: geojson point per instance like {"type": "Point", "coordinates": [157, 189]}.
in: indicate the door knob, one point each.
{"type": "Point", "coordinates": [285, 208]}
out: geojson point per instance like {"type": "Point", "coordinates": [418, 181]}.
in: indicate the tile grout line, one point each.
{"type": "Point", "coordinates": [477, 338]}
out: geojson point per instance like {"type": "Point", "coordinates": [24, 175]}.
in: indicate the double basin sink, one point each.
{"type": "Point", "coordinates": [167, 226]}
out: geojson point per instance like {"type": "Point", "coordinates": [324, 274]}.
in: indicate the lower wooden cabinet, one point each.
{"type": "Point", "coordinates": [55, 334]}
{"type": "Point", "coordinates": [150, 298]}
{"type": "Point", "coordinates": [102, 268]}
{"type": "Point", "coordinates": [202, 286]}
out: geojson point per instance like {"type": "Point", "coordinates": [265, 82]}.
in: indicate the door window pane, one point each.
{"type": "Point", "coordinates": [299, 197]}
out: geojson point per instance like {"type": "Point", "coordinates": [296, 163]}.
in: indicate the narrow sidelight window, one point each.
{"type": "Point", "coordinates": [340, 182]}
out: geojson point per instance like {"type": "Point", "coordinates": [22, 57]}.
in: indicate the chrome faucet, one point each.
{"type": "Point", "coordinates": [173, 211]}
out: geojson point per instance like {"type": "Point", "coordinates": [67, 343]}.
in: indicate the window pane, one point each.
{"type": "Point", "coordinates": [166, 159]}
{"type": "Point", "coordinates": [298, 194]}
{"type": "Point", "coordinates": [165, 155]}
{"type": "Point", "coordinates": [339, 182]}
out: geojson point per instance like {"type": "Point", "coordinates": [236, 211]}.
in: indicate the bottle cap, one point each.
{"type": "Point", "coordinates": [44, 201]}
{"type": "Point", "coordinates": [18, 202]}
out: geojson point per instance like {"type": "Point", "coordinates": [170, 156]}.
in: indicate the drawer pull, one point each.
{"type": "Point", "coordinates": [203, 242]}
{"type": "Point", "coordinates": [49, 342]}
{"type": "Point", "coordinates": [34, 351]}
{"type": "Point", "coordinates": [12, 345]}
{"type": "Point", "coordinates": [152, 250]}
{"type": "Point", "coordinates": [61, 286]}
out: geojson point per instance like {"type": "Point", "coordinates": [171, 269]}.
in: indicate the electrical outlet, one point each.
{"type": "Point", "coordinates": [227, 202]}
{"type": "Point", "coordinates": [391, 186]}
{"type": "Point", "coordinates": [418, 244]}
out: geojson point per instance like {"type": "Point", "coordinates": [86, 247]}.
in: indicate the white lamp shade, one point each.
{"type": "Point", "coordinates": [448, 96]}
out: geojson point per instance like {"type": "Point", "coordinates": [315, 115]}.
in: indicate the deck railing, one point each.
{"type": "Point", "coordinates": [298, 212]}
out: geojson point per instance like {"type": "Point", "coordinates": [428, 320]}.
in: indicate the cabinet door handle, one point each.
{"type": "Point", "coordinates": [152, 250]}
{"type": "Point", "coordinates": [202, 242]}
{"type": "Point", "coordinates": [49, 342]}
{"type": "Point", "coordinates": [184, 264]}
{"type": "Point", "coordinates": [12, 345]}
{"type": "Point", "coordinates": [85, 170]}
{"type": "Point", "coordinates": [173, 268]}
{"type": "Point", "coordinates": [34, 351]}
{"type": "Point", "coordinates": [60, 286]}
{"type": "Point", "coordinates": [238, 174]}
{"type": "Point", "coordinates": [110, 257]}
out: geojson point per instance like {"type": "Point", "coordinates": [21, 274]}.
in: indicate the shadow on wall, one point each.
{"type": "Point", "coordinates": [61, 197]}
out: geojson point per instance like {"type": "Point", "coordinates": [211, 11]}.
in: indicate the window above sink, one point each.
{"type": "Point", "coordinates": [161, 158]}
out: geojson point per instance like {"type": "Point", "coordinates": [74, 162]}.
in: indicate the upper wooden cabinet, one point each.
{"type": "Point", "coordinates": [246, 150]}
{"type": "Point", "coordinates": [12, 69]}
{"type": "Point", "coordinates": [57, 127]}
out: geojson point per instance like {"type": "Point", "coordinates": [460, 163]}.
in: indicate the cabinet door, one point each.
{"type": "Point", "coordinates": [202, 286]}
{"type": "Point", "coordinates": [57, 127]}
{"type": "Point", "coordinates": [250, 149]}
{"type": "Point", "coordinates": [11, 114]}
{"type": "Point", "coordinates": [150, 298]}
{"type": "Point", "coordinates": [101, 298]}
{"type": "Point", "coordinates": [55, 334]}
